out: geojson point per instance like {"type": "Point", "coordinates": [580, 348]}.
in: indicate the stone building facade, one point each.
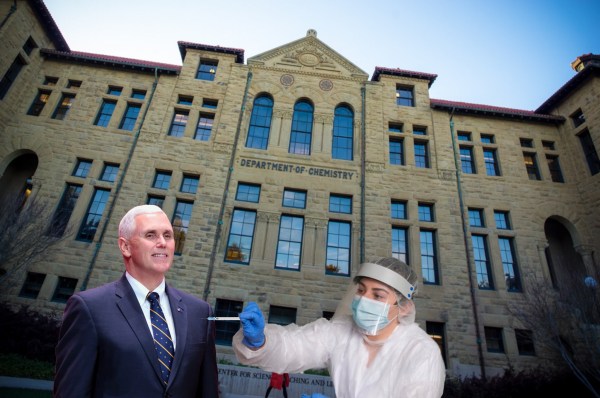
{"type": "Point", "coordinates": [285, 171]}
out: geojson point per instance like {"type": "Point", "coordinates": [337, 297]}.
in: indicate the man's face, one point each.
{"type": "Point", "coordinates": [151, 246]}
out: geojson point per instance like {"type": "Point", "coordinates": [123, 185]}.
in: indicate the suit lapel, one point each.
{"type": "Point", "coordinates": [130, 308]}
{"type": "Point", "coordinates": [179, 311]}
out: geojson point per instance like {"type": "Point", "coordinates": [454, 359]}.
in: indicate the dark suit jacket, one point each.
{"type": "Point", "coordinates": [105, 348]}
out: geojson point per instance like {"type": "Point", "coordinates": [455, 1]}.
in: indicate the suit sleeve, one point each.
{"type": "Point", "coordinates": [76, 351]}
{"type": "Point", "coordinates": [209, 387]}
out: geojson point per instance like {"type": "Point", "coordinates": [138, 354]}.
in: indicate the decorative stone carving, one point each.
{"type": "Point", "coordinates": [326, 85]}
{"type": "Point", "coordinates": [287, 80]}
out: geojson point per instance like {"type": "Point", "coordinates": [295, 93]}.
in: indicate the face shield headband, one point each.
{"type": "Point", "coordinates": [387, 276]}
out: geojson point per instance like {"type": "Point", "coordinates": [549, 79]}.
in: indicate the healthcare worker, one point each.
{"type": "Point", "coordinates": [371, 347]}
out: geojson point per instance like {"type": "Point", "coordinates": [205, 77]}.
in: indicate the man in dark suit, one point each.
{"type": "Point", "coordinates": [106, 346]}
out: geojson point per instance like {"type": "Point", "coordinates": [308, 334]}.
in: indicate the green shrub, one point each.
{"type": "Point", "coordinates": [15, 365]}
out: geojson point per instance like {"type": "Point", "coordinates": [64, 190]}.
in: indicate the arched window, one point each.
{"type": "Point", "coordinates": [260, 123]}
{"type": "Point", "coordinates": [301, 134]}
{"type": "Point", "coordinates": [343, 133]}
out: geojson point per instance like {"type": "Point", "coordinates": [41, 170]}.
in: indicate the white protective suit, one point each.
{"type": "Point", "coordinates": [408, 365]}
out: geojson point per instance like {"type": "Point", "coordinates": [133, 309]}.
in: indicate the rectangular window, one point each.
{"type": "Point", "coordinates": [207, 69]}
{"type": "Point", "coordinates": [32, 285]}
{"type": "Point", "coordinates": [209, 103]}
{"type": "Point", "coordinates": [281, 315]}
{"type": "Point", "coordinates": [397, 151]}
{"type": "Point", "coordinates": [294, 198]}
{"type": "Point", "coordinates": [105, 113]}
{"type": "Point", "coordinates": [185, 100]}
{"type": "Point", "coordinates": [419, 130]}
{"type": "Point", "coordinates": [467, 162]}
{"type": "Point", "coordinates": [11, 75]}
{"type": "Point", "coordinates": [64, 289]}
{"type": "Point", "coordinates": [156, 200]}
{"type": "Point", "coordinates": [395, 128]}
{"type": "Point", "coordinates": [509, 264]}
{"type": "Point", "coordinates": [82, 168]}
{"type": "Point", "coordinates": [526, 142]}
{"type": "Point", "coordinates": [181, 223]}
{"type": "Point", "coordinates": [400, 243]}
{"type": "Point", "coordinates": [487, 139]}
{"type": "Point", "coordinates": [554, 167]}
{"type": "Point", "coordinates": [110, 172]}
{"type": "Point", "coordinates": [241, 233]}
{"type": "Point", "coordinates": [531, 165]}
{"type": "Point", "coordinates": [436, 330]}
{"type": "Point", "coordinates": [189, 184]}
{"type": "Point", "coordinates": [247, 192]}
{"type": "Point", "coordinates": [92, 218]}
{"type": "Point", "coordinates": [502, 220]}
{"type": "Point", "coordinates": [429, 260]}
{"type": "Point", "coordinates": [114, 90]}
{"type": "Point", "coordinates": [421, 154]}
{"type": "Point", "coordinates": [63, 212]}
{"type": "Point", "coordinates": [289, 244]}
{"type": "Point", "coordinates": [404, 96]}
{"type": "Point", "coordinates": [525, 342]}
{"type": "Point", "coordinates": [548, 145]}
{"type": "Point", "coordinates": [138, 94]}
{"type": "Point", "coordinates": [491, 162]}
{"type": "Point", "coordinates": [62, 109]}
{"type": "Point", "coordinates": [39, 103]}
{"type": "Point", "coordinates": [340, 204]}
{"type": "Point", "coordinates": [50, 81]}
{"type": "Point", "coordinates": [494, 340]}
{"type": "Point", "coordinates": [180, 119]}
{"type": "Point", "coordinates": [224, 331]}
{"type": "Point", "coordinates": [338, 248]}
{"type": "Point", "coordinates": [426, 212]}
{"type": "Point", "coordinates": [399, 209]}
{"type": "Point", "coordinates": [205, 125]}
{"type": "Point", "coordinates": [162, 179]}
{"type": "Point", "coordinates": [482, 262]}
{"type": "Point", "coordinates": [29, 46]}
{"type": "Point", "coordinates": [578, 118]}
{"type": "Point", "coordinates": [464, 136]}
{"type": "Point", "coordinates": [130, 117]}
{"type": "Point", "coordinates": [74, 84]}
{"type": "Point", "coordinates": [589, 151]}
{"type": "Point", "coordinates": [476, 218]}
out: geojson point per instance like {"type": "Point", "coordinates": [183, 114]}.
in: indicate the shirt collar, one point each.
{"type": "Point", "coordinates": [141, 292]}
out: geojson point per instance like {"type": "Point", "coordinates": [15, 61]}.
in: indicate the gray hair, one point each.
{"type": "Point", "coordinates": [127, 224]}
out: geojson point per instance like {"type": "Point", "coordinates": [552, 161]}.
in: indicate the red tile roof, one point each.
{"type": "Point", "coordinates": [403, 73]}
{"type": "Point", "coordinates": [489, 110]}
{"type": "Point", "coordinates": [238, 52]}
{"type": "Point", "coordinates": [112, 61]}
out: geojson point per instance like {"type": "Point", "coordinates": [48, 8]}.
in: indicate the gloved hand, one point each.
{"type": "Point", "coordinates": [253, 326]}
{"type": "Point", "coordinates": [314, 395]}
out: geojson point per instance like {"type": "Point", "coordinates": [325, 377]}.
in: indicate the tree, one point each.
{"type": "Point", "coordinates": [29, 233]}
{"type": "Point", "coordinates": [567, 321]}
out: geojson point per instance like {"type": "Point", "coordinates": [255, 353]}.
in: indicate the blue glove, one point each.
{"type": "Point", "coordinates": [314, 395]}
{"type": "Point", "coordinates": [253, 326]}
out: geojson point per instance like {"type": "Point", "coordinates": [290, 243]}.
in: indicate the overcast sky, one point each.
{"type": "Point", "coordinates": [510, 53]}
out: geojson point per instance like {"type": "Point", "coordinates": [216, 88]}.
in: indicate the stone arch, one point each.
{"type": "Point", "coordinates": [17, 169]}
{"type": "Point", "coordinates": [563, 255]}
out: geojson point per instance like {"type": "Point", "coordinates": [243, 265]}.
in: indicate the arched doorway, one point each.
{"type": "Point", "coordinates": [564, 262]}
{"type": "Point", "coordinates": [16, 181]}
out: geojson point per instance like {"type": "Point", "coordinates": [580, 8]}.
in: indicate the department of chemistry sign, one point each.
{"type": "Point", "coordinates": [296, 169]}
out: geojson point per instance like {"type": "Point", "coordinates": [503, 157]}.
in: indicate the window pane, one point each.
{"type": "Point", "coordinates": [207, 70]}
{"type": "Point", "coordinates": [88, 228]}
{"type": "Point", "coordinates": [482, 264]}
{"type": "Point", "coordinates": [32, 285]}
{"type": "Point", "coordinates": [289, 245]}
{"type": "Point", "coordinates": [260, 123]}
{"type": "Point", "coordinates": [301, 134]}
{"type": "Point", "coordinates": [343, 133]}
{"type": "Point", "coordinates": [178, 123]}
{"type": "Point", "coordinates": [248, 193]}
{"type": "Point", "coordinates": [204, 128]}
{"type": "Point", "coordinates": [63, 108]}
{"type": "Point", "coordinates": [39, 103]}
{"type": "Point", "coordinates": [293, 198]}
{"type": "Point", "coordinates": [397, 151]}
{"type": "Point", "coordinates": [338, 248]}
{"type": "Point", "coordinates": [83, 168]}
{"type": "Point", "coordinates": [429, 265]}
{"type": "Point", "coordinates": [400, 244]}
{"type": "Point", "coordinates": [225, 330]}
{"type": "Point", "coordinates": [64, 289]}
{"type": "Point", "coordinates": [61, 217]}
{"type": "Point", "coordinates": [130, 117]}
{"type": "Point", "coordinates": [476, 218]}
{"type": "Point", "coordinates": [162, 180]}
{"type": "Point", "coordinates": [425, 212]}
{"type": "Point", "coordinates": [189, 184]}
{"type": "Point", "coordinates": [399, 210]}
{"type": "Point", "coordinates": [110, 172]}
{"type": "Point", "coordinates": [421, 155]}
{"type": "Point", "coordinates": [181, 223]}
{"type": "Point", "coordinates": [509, 265]}
{"type": "Point", "coordinates": [340, 204]}
{"type": "Point", "coordinates": [239, 243]}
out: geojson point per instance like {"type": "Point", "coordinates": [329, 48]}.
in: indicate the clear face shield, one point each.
{"type": "Point", "coordinates": [369, 315]}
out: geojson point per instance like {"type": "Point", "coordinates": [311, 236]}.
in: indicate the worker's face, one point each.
{"type": "Point", "coordinates": [151, 248]}
{"type": "Point", "coordinates": [378, 291]}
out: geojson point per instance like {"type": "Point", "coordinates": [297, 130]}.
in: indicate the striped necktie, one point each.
{"type": "Point", "coordinates": [162, 338]}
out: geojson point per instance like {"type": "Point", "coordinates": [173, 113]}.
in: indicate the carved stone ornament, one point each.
{"type": "Point", "coordinates": [287, 80]}
{"type": "Point", "coordinates": [326, 85]}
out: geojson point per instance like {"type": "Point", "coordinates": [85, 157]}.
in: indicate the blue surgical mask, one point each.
{"type": "Point", "coordinates": [370, 315]}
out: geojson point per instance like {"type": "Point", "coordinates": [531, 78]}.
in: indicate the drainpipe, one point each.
{"type": "Point", "coordinates": [463, 217]}
{"type": "Point", "coordinates": [12, 10]}
{"type": "Point", "coordinates": [363, 168]}
{"type": "Point", "coordinates": [118, 186]}
{"type": "Point", "coordinates": [213, 254]}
